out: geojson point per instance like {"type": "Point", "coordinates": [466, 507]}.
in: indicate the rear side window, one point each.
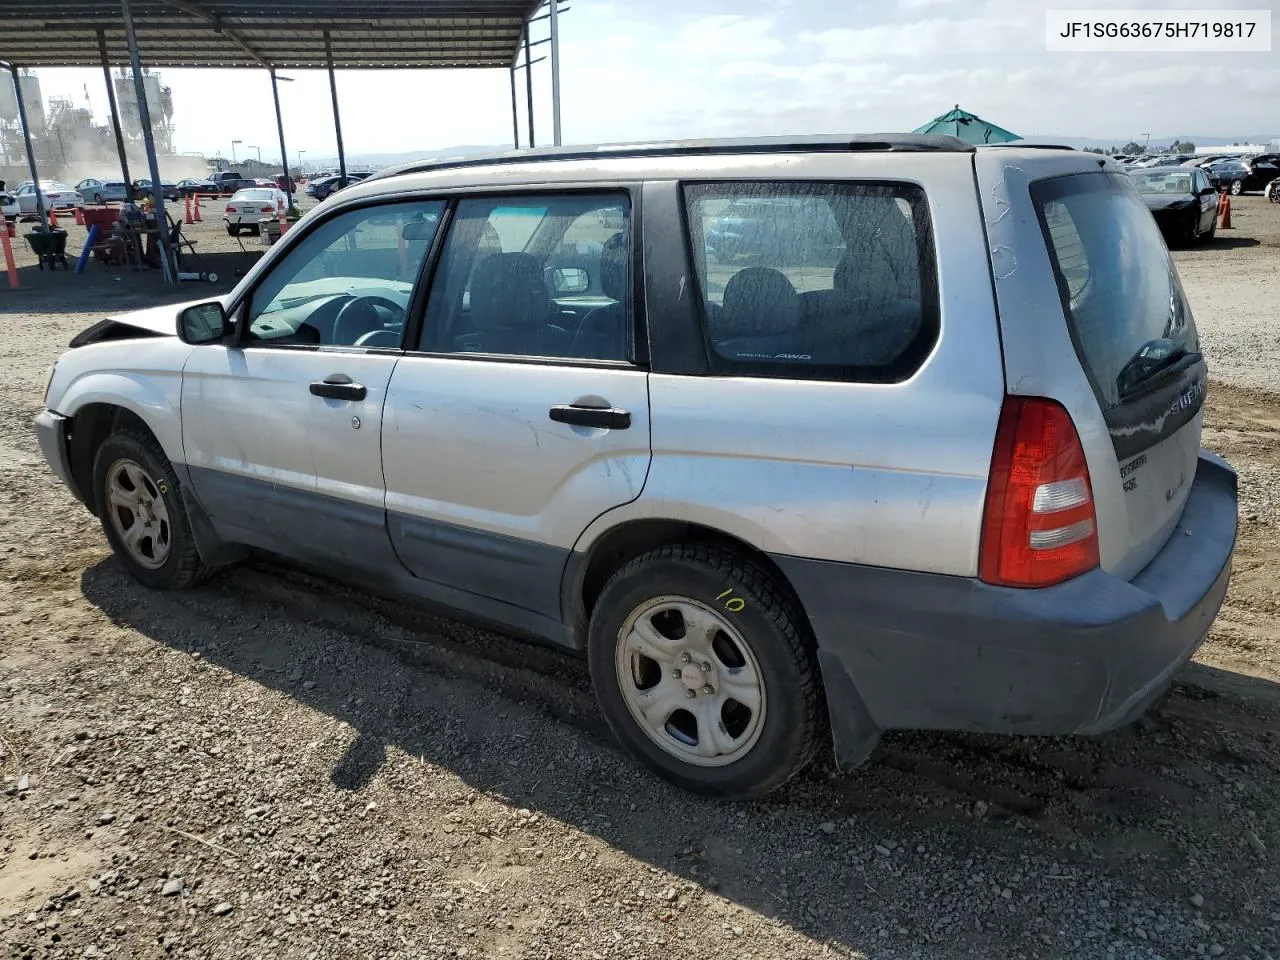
{"type": "Point", "coordinates": [1119, 289]}
{"type": "Point", "coordinates": [832, 281]}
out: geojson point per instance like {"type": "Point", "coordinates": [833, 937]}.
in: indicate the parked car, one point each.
{"type": "Point", "coordinates": [196, 185]}
{"type": "Point", "coordinates": [9, 208]}
{"type": "Point", "coordinates": [287, 184]}
{"type": "Point", "coordinates": [1262, 170]}
{"type": "Point", "coordinates": [773, 504]}
{"type": "Point", "coordinates": [247, 207]}
{"type": "Point", "coordinates": [324, 187]}
{"type": "Point", "coordinates": [1182, 200]}
{"type": "Point", "coordinates": [1228, 175]}
{"type": "Point", "coordinates": [102, 191]}
{"type": "Point", "coordinates": [1272, 191]}
{"type": "Point", "coordinates": [57, 196]}
{"type": "Point", "coordinates": [142, 188]}
{"type": "Point", "coordinates": [229, 182]}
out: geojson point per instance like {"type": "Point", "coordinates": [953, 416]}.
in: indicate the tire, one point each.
{"type": "Point", "coordinates": [1237, 187]}
{"type": "Point", "coordinates": [760, 633]}
{"type": "Point", "coordinates": [165, 558]}
{"type": "Point", "coordinates": [1213, 231]}
{"type": "Point", "coordinates": [97, 198]}
{"type": "Point", "coordinates": [232, 230]}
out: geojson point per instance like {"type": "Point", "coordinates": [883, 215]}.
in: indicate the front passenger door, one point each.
{"type": "Point", "coordinates": [282, 431]}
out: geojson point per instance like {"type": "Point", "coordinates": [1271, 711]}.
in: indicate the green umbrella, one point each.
{"type": "Point", "coordinates": [968, 127]}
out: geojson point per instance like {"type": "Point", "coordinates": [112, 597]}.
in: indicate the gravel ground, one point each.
{"type": "Point", "coordinates": [276, 766]}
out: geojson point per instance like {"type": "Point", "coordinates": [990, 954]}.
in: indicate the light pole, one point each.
{"type": "Point", "coordinates": [300, 153]}
{"type": "Point", "coordinates": [233, 150]}
{"type": "Point", "coordinates": [1147, 145]}
{"type": "Point", "coordinates": [255, 147]}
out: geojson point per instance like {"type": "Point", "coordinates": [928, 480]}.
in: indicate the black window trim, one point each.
{"type": "Point", "coordinates": [907, 364]}
{"type": "Point", "coordinates": [633, 190]}
{"type": "Point", "coordinates": [240, 307]}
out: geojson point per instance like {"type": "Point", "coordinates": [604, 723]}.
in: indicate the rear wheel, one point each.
{"type": "Point", "coordinates": [97, 198]}
{"type": "Point", "coordinates": [140, 505]}
{"type": "Point", "coordinates": [704, 668]}
{"type": "Point", "coordinates": [233, 230]}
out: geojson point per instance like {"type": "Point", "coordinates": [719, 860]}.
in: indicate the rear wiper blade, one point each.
{"type": "Point", "coordinates": [1155, 361]}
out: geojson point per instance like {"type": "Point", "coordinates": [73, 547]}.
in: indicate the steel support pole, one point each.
{"type": "Point", "coordinates": [149, 141]}
{"type": "Point", "coordinates": [515, 112]}
{"type": "Point", "coordinates": [528, 84]}
{"type": "Point", "coordinates": [115, 116]}
{"type": "Point", "coordinates": [31, 156]}
{"type": "Point", "coordinates": [284, 154]}
{"type": "Point", "coordinates": [337, 119]}
{"type": "Point", "coordinates": [555, 71]}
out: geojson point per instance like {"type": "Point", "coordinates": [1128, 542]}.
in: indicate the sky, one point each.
{"type": "Point", "coordinates": [681, 68]}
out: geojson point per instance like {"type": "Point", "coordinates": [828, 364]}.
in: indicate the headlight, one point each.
{"type": "Point", "coordinates": [48, 382]}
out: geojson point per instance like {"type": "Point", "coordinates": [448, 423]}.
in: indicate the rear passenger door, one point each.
{"type": "Point", "coordinates": [523, 413]}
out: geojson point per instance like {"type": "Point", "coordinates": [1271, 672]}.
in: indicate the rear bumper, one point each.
{"type": "Point", "coordinates": [922, 651]}
{"type": "Point", "coordinates": [51, 431]}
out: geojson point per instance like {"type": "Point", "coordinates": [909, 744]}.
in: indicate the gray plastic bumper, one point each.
{"type": "Point", "coordinates": [903, 650]}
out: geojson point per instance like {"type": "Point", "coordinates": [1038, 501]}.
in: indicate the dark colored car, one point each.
{"type": "Point", "coordinates": [1183, 201]}
{"type": "Point", "coordinates": [167, 190]}
{"type": "Point", "coordinates": [1262, 170]}
{"type": "Point", "coordinates": [327, 186]}
{"type": "Point", "coordinates": [1229, 175]}
{"type": "Point", "coordinates": [196, 185]}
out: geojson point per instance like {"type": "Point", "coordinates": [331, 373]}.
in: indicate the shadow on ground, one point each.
{"type": "Point", "coordinates": [1120, 812]}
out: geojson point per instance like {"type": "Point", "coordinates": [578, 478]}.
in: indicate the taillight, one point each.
{"type": "Point", "coordinates": [1039, 526]}
{"type": "Point", "coordinates": [268, 210]}
{"type": "Point", "coordinates": [230, 208]}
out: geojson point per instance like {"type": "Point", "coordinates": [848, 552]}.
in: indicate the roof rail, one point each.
{"type": "Point", "coordinates": [1019, 145]}
{"type": "Point", "coordinates": [858, 143]}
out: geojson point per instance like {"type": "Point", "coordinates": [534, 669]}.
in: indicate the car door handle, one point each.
{"type": "Point", "coordinates": [607, 417]}
{"type": "Point", "coordinates": [338, 386]}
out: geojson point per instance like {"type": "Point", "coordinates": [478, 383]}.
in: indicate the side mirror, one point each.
{"type": "Point", "coordinates": [204, 323]}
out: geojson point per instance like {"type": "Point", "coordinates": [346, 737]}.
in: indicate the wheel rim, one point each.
{"type": "Point", "coordinates": [1236, 187]}
{"type": "Point", "coordinates": [138, 514]}
{"type": "Point", "coordinates": [690, 681]}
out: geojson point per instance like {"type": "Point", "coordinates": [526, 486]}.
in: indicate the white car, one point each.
{"type": "Point", "coordinates": [9, 205]}
{"type": "Point", "coordinates": [247, 207]}
{"type": "Point", "coordinates": [57, 196]}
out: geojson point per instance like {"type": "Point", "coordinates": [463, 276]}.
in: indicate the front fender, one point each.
{"type": "Point", "coordinates": [141, 376]}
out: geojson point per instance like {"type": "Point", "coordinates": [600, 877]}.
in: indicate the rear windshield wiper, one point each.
{"type": "Point", "coordinates": [1155, 362]}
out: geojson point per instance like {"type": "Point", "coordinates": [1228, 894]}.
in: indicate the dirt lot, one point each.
{"type": "Point", "coordinates": [273, 766]}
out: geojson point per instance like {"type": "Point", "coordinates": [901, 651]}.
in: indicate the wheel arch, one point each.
{"type": "Point", "coordinates": [90, 426]}
{"type": "Point", "coordinates": [589, 569]}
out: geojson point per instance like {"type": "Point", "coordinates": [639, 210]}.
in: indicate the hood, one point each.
{"type": "Point", "coordinates": [153, 321]}
{"type": "Point", "coordinates": [1166, 201]}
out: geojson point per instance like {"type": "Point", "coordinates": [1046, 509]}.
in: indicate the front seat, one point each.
{"type": "Point", "coordinates": [603, 333]}
{"type": "Point", "coordinates": [511, 310]}
{"type": "Point", "coordinates": [879, 284]}
{"type": "Point", "coordinates": [759, 317]}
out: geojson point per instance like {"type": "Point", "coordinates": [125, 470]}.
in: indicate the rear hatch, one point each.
{"type": "Point", "coordinates": [1129, 369]}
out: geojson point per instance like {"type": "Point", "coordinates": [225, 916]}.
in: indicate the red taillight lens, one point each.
{"type": "Point", "coordinates": [230, 208]}
{"type": "Point", "coordinates": [268, 209]}
{"type": "Point", "coordinates": [1039, 526]}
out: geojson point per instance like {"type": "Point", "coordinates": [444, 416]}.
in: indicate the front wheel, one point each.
{"type": "Point", "coordinates": [1236, 187]}
{"type": "Point", "coordinates": [140, 505]}
{"type": "Point", "coordinates": [704, 668]}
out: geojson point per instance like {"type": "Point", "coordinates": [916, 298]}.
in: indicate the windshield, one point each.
{"type": "Point", "coordinates": [1155, 182]}
{"type": "Point", "coordinates": [1118, 286]}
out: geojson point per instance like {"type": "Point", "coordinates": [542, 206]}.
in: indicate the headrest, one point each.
{"type": "Point", "coordinates": [419, 229]}
{"type": "Point", "coordinates": [614, 267]}
{"type": "Point", "coordinates": [758, 301]}
{"type": "Point", "coordinates": [508, 292]}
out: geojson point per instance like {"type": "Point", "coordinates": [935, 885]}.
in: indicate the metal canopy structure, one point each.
{"type": "Point", "coordinates": [286, 34]}
{"type": "Point", "coordinates": [281, 34]}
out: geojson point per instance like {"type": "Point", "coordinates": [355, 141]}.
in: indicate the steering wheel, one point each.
{"type": "Point", "coordinates": [359, 316]}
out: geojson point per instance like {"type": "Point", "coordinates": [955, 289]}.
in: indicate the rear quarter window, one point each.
{"type": "Point", "coordinates": [1117, 283]}
{"type": "Point", "coordinates": [805, 280]}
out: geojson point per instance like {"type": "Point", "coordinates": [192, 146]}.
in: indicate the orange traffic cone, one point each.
{"type": "Point", "coordinates": [11, 228]}
{"type": "Point", "coordinates": [196, 204]}
{"type": "Point", "coordinates": [280, 216]}
{"type": "Point", "coordinates": [79, 216]}
{"type": "Point", "coordinates": [1224, 212]}
{"type": "Point", "coordinates": [187, 198]}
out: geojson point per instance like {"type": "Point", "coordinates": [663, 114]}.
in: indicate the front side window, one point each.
{"type": "Point", "coordinates": [544, 276]}
{"type": "Point", "coordinates": [815, 280]}
{"type": "Point", "coordinates": [349, 282]}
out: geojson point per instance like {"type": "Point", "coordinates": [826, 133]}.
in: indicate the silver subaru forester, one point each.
{"type": "Point", "coordinates": [795, 439]}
